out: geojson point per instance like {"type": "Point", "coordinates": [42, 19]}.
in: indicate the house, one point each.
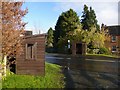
{"type": "Point", "coordinates": [32, 58]}
{"type": "Point", "coordinates": [114, 43]}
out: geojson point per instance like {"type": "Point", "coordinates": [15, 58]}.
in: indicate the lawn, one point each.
{"type": "Point", "coordinates": [52, 79]}
{"type": "Point", "coordinates": [113, 56]}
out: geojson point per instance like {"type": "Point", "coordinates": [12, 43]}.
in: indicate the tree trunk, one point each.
{"type": "Point", "coordinates": [4, 68]}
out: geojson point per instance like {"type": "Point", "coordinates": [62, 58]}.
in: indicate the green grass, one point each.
{"type": "Point", "coordinates": [52, 79]}
{"type": "Point", "coordinates": [114, 56]}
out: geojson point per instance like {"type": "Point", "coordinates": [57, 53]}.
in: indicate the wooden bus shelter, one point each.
{"type": "Point", "coordinates": [78, 48]}
{"type": "Point", "coordinates": [32, 59]}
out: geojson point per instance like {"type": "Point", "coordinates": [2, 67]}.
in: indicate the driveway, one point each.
{"type": "Point", "coordinates": [87, 72]}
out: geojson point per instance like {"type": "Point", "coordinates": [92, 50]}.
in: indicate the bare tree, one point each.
{"type": "Point", "coordinates": [36, 28]}
{"type": "Point", "coordinates": [0, 32]}
{"type": "Point", "coordinates": [12, 28]}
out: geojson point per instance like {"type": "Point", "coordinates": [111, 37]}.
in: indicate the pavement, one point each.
{"type": "Point", "coordinates": [88, 72]}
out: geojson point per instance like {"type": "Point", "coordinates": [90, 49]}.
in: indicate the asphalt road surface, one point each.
{"type": "Point", "coordinates": [97, 73]}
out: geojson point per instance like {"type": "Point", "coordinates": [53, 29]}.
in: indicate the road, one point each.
{"type": "Point", "coordinates": [88, 72]}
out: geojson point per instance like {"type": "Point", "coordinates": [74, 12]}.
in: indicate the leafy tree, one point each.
{"type": "Point", "coordinates": [67, 21]}
{"type": "Point", "coordinates": [50, 38]}
{"type": "Point", "coordinates": [12, 28]}
{"type": "Point", "coordinates": [89, 19]}
{"type": "Point", "coordinates": [107, 36]}
{"type": "Point", "coordinates": [79, 35]}
{"type": "Point", "coordinates": [97, 39]}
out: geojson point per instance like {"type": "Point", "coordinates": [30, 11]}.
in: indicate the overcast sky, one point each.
{"type": "Point", "coordinates": [43, 15]}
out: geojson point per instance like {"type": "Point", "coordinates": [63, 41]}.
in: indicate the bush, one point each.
{"type": "Point", "coordinates": [92, 51]}
{"type": "Point", "coordinates": [103, 50]}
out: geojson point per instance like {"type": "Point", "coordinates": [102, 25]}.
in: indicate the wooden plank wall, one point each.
{"type": "Point", "coordinates": [32, 66]}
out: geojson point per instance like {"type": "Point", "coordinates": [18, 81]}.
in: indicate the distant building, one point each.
{"type": "Point", "coordinates": [114, 42]}
{"type": "Point", "coordinates": [27, 33]}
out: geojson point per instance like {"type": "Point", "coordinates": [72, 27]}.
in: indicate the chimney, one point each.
{"type": "Point", "coordinates": [28, 33]}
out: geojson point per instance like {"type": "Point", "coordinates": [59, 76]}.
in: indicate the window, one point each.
{"type": "Point", "coordinates": [31, 50]}
{"type": "Point", "coordinates": [114, 48]}
{"type": "Point", "coordinates": [113, 38]}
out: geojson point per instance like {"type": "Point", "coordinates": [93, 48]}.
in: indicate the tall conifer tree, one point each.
{"type": "Point", "coordinates": [89, 19]}
{"type": "Point", "coordinates": [67, 21]}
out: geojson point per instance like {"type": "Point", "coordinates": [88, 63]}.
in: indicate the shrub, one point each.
{"type": "Point", "coordinates": [95, 51]}
{"type": "Point", "coordinates": [103, 50]}
{"type": "Point", "coordinates": [92, 51]}
{"type": "Point", "coordinates": [89, 51]}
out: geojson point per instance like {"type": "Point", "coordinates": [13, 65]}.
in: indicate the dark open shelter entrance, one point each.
{"type": "Point", "coordinates": [78, 48]}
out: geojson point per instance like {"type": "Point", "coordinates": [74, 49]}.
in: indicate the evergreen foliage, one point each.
{"type": "Point", "coordinates": [67, 21]}
{"type": "Point", "coordinates": [50, 38]}
{"type": "Point", "coordinates": [89, 19]}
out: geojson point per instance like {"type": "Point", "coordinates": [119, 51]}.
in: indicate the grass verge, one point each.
{"type": "Point", "coordinates": [52, 79]}
{"type": "Point", "coordinates": [113, 56]}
